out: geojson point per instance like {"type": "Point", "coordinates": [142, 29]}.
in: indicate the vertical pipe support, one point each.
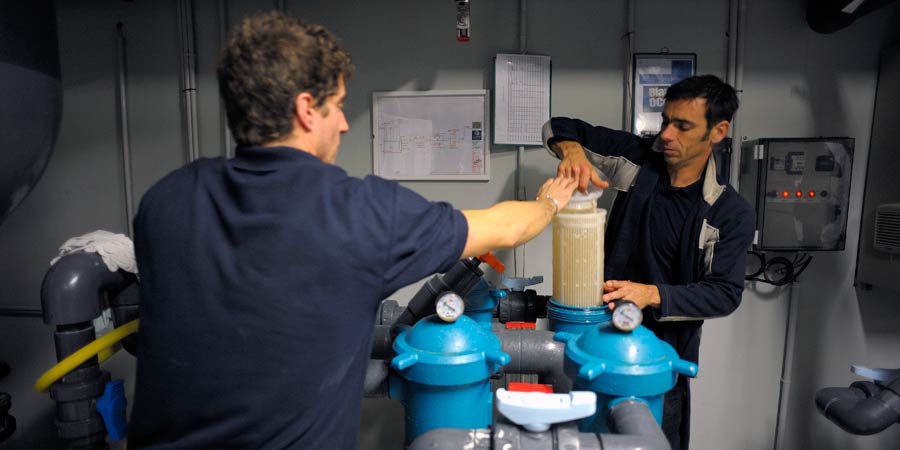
{"type": "Point", "coordinates": [787, 365]}
{"type": "Point", "coordinates": [628, 37]}
{"type": "Point", "coordinates": [519, 252]}
{"type": "Point", "coordinates": [124, 135]}
{"type": "Point", "coordinates": [735, 77]}
{"type": "Point", "coordinates": [188, 78]}
{"type": "Point", "coordinates": [223, 117]}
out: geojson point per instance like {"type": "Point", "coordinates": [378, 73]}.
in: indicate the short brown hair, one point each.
{"type": "Point", "coordinates": [269, 59]}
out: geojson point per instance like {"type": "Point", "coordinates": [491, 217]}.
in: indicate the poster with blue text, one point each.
{"type": "Point", "coordinates": [653, 74]}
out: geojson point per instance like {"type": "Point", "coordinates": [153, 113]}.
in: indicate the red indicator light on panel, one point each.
{"type": "Point", "coordinates": [799, 194]}
{"type": "Point", "coordinates": [812, 194]}
{"type": "Point", "coordinates": [785, 194]}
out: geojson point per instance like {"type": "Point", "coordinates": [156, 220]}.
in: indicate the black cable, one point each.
{"type": "Point", "coordinates": [801, 266]}
{"type": "Point", "coordinates": [778, 271]}
{"type": "Point", "coordinates": [761, 258]}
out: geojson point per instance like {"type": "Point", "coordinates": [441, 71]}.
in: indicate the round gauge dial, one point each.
{"type": "Point", "coordinates": [449, 307]}
{"type": "Point", "coordinates": [626, 316]}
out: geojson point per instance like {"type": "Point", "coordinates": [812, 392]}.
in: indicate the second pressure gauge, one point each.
{"type": "Point", "coordinates": [627, 316]}
{"type": "Point", "coordinates": [449, 307]}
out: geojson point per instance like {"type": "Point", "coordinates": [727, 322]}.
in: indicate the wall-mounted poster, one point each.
{"type": "Point", "coordinates": [653, 74]}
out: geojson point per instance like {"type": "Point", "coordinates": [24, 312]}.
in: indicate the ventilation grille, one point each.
{"type": "Point", "coordinates": [887, 228]}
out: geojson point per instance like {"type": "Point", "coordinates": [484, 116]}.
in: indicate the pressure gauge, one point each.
{"type": "Point", "coordinates": [449, 307]}
{"type": "Point", "coordinates": [627, 316]}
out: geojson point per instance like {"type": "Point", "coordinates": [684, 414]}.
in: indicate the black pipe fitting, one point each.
{"type": "Point", "coordinates": [461, 279]}
{"type": "Point", "coordinates": [77, 420]}
{"type": "Point", "coordinates": [7, 421]}
{"type": "Point", "coordinates": [522, 306]}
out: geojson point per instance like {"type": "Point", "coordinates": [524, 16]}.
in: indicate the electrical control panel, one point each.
{"type": "Point", "coordinates": [801, 190]}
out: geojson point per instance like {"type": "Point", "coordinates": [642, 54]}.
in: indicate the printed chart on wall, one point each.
{"type": "Point", "coordinates": [522, 98]}
{"type": "Point", "coordinates": [431, 135]}
{"type": "Point", "coordinates": [653, 74]}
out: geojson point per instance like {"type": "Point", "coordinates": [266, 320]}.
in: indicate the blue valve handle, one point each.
{"type": "Point", "coordinates": [111, 406]}
{"type": "Point", "coordinates": [880, 376]}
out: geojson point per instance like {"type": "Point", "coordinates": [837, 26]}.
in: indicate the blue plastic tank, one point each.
{"type": "Point", "coordinates": [442, 374]}
{"type": "Point", "coordinates": [621, 365]}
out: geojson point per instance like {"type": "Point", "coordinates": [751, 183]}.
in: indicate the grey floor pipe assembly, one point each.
{"type": "Point", "coordinates": [862, 408]}
{"type": "Point", "coordinates": [633, 421]}
{"type": "Point", "coordinates": [73, 293]}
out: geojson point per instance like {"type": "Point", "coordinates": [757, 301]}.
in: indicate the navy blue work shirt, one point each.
{"type": "Point", "coordinates": [260, 277]}
{"type": "Point", "coordinates": [670, 211]}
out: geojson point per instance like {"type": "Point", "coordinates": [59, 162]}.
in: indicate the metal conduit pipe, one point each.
{"type": "Point", "coordinates": [124, 136]}
{"type": "Point", "coordinates": [863, 408]}
{"type": "Point", "coordinates": [734, 76]}
{"type": "Point", "coordinates": [628, 46]}
{"type": "Point", "coordinates": [535, 352]}
{"type": "Point", "coordinates": [223, 118]}
{"type": "Point", "coordinates": [519, 252]}
{"type": "Point", "coordinates": [188, 78]}
{"type": "Point", "coordinates": [632, 419]}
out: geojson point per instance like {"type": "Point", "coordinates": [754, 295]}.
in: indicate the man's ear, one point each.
{"type": "Point", "coordinates": [304, 110]}
{"type": "Point", "coordinates": [719, 131]}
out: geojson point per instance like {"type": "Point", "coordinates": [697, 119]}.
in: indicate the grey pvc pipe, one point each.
{"type": "Point", "coordinates": [634, 428]}
{"type": "Point", "coordinates": [382, 338]}
{"type": "Point", "coordinates": [453, 439]}
{"type": "Point", "coordinates": [507, 437]}
{"type": "Point", "coordinates": [74, 288]}
{"type": "Point", "coordinates": [376, 382]}
{"type": "Point", "coordinates": [563, 436]}
{"type": "Point", "coordinates": [535, 352]}
{"type": "Point", "coordinates": [863, 408]}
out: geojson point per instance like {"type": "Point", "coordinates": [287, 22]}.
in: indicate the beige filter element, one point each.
{"type": "Point", "coordinates": [578, 254]}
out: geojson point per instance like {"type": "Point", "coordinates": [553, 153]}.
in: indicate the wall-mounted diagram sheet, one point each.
{"type": "Point", "coordinates": [522, 98]}
{"type": "Point", "coordinates": [431, 135]}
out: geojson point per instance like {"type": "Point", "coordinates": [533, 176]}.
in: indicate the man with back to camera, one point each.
{"type": "Point", "coordinates": [261, 275]}
{"type": "Point", "coordinates": [677, 234]}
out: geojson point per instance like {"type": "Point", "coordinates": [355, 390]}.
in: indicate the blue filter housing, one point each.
{"type": "Point", "coordinates": [619, 365]}
{"type": "Point", "coordinates": [575, 319]}
{"type": "Point", "coordinates": [482, 301]}
{"type": "Point", "coordinates": [442, 374]}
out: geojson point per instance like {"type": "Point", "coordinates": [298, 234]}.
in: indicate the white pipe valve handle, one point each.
{"type": "Point", "coordinates": [536, 411]}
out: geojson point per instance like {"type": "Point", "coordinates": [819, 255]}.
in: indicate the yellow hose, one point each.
{"type": "Point", "coordinates": [100, 346]}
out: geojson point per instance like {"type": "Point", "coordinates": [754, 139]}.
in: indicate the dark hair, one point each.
{"type": "Point", "coordinates": [721, 98]}
{"type": "Point", "coordinates": [270, 58]}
